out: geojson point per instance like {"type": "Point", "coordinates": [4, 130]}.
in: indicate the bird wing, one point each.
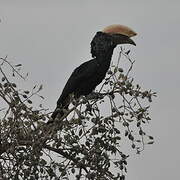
{"type": "Point", "coordinates": [79, 75]}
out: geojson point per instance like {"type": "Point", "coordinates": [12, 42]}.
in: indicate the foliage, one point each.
{"type": "Point", "coordinates": [87, 142]}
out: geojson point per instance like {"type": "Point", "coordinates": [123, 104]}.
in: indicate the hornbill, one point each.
{"type": "Point", "coordinates": [88, 75]}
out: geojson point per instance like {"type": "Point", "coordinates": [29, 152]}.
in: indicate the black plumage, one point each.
{"type": "Point", "coordinates": [88, 75]}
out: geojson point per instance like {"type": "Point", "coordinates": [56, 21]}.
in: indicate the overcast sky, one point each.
{"type": "Point", "coordinates": [52, 37]}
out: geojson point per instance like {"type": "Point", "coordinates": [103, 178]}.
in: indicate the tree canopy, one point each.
{"type": "Point", "coordinates": [87, 142]}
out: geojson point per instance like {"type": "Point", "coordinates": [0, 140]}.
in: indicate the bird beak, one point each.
{"type": "Point", "coordinates": [122, 39]}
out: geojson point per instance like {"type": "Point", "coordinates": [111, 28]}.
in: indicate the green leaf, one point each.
{"type": "Point", "coordinates": [29, 101]}
{"type": "Point", "coordinates": [151, 142]}
{"type": "Point", "coordinates": [26, 92]}
{"type": "Point", "coordinates": [80, 132]}
{"type": "Point", "coordinates": [40, 87]}
{"type": "Point", "coordinates": [73, 170]}
{"type": "Point", "coordinates": [18, 65]}
{"type": "Point", "coordinates": [150, 137]}
{"type": "Point", "coordinates": [24, 96]}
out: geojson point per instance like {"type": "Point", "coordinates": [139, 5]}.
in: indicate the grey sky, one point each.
{"type": "Point", "coordinates": [51, 38]}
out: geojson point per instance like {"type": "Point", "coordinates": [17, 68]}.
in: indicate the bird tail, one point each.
{"type": "Point", "coordinates": [58, 112]}
{"type": "Point", "coordinates": [62, 104]}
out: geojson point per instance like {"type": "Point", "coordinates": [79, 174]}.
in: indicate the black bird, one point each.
{"type": "Point", "coordinates": [88, 75]}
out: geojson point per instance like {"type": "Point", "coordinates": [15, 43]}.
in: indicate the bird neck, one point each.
{"type": "Point", "coordinates": [105, 57]}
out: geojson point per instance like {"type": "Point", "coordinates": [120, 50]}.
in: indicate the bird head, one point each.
{"type": "Point", "coordinates": [111, 36]}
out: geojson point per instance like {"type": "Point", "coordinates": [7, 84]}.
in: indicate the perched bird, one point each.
{"type": "Point", "coordinates": [88, 75]}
